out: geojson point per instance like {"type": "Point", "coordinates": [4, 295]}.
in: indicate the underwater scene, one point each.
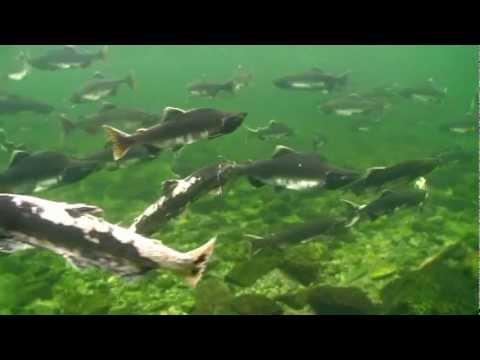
{"type": "Point", "coordinates": [238, 180]}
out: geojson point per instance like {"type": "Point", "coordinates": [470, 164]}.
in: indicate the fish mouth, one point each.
{"type": "Point", "coordinates": [281, 83]}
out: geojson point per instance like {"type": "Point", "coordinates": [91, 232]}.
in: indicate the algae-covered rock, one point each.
{"type": "Point", "coordinates": [254, 304]}
{"type": "Point", "coordinates": [248, 272]}
{"type": "Point", "coordinates": [442, 284]}
{"type": "Point", "coordinates": [333, 300]}
{"type": "Point", "coordinates": [213, 297]}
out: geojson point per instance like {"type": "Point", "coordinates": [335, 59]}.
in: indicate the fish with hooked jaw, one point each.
{"type": "Point", "coordinates": [178, 194]}
{"type": "Point", "coordinates": [178, 128]}
{"type": "Point", "coordinates": [75, 232]}
{"type": "Point", "coordinates": [293, 170]}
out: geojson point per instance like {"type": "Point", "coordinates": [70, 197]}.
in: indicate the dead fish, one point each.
{"type": "Point", "coordinates": [313, 80]}
{"type": "Point", "coordinates": [128, 119]}
{"type": "Point", "coordinates": [179, 128]}
{"type": "Point", "coordinates": [68, 57]}
{"type": "Point", "coordinates": [7, 145]}
{"type": "Point", "coordinates": [41, 170]}
{"type": "Point", "coordinates": [177, 194]}
{"type": "Point", "coordinates": [353, 104]}
{"type": "Point", "coordinates": [274, 130]}
{"type": "Point", "coordinates": [101, 87]}
{"type": "Point", "coordinates": [211, 89]}
{"type": "Point", "coordinates": [75, 232]}
{"type": "Point", "coordinates": [12, 104]}
{"type": "Point", "coordinates": [296, 171]}
{"type": "Point", "coordinates": [388, 202]}
{"type": "Point", "coordinates": [404, 171]}
{"type": "Point", "coordinates": [300, 233]}
{"type": "Point", "coordinates": [425, 93]}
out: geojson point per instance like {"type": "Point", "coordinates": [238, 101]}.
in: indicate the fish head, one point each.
{"type": "Point", "coordinates": [232, 122]}
{"type": "Point", "coordinates": [79, 171]}
{"type": "Point", "coordinates": [45, 108]}
{"type": "Point", "coordinates": [282, 83]}
{"type": "Point", "coordinates": [76, 98]}
{"type": "Point", "coordinates": [338, 179]}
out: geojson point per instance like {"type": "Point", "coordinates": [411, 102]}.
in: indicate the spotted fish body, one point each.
{"type": "Point", "coordinates": [76, 233]}
{"type": "Point", "coordinates": [177, 194]}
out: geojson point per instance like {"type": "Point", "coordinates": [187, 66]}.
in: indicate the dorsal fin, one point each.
{"type": "Point", "coordinates": [98, 75]}
{"type": "Point", "coordinates": [374, 170]}
{"type": "Point", "coordinates": [272, 122]}
{"type": "Point", "coordinates": [169, 185]}
{"type": "Point", "coordinates": [386, 192]}
{"type": "Point", "coordinates": [107, 106]}
{"type": "Point", "coordinates": [171, 113]}
{"type": "Point", "coordinates": [316, 69]}
{"type": "Point", "coordinates": [77, 210]}
{"type": "Point", "coordinates": [281, 150]}
{"type": "Point", "coordinates": [17, 156]}
{"type": "Point", "coordinates": [70, 47]}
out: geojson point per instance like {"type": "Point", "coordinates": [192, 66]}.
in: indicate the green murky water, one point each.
{"type": "Point", "coordinates": [411, 262]}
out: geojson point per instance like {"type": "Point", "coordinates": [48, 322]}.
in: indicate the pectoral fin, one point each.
{"type": "Point", "coordinates": [255, 183]}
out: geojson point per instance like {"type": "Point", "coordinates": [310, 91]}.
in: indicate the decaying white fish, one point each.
{"type": "Point", "coordinates": [76, 233]}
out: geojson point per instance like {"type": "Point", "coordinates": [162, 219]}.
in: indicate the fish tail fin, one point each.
{"type": "Point", "coordinates": [250, 131]}
{"type": "Point", "coordinates": [104, 52]}
{"type": "Point", "coordinates": [355, 212]}
{"type": "Point", "coordinates": [229, 86]}
{"type": "Point", "coordinates": [67, 125]}
{"type": "Point", "coordinates": [130, 81]}
{"type": "Point", "coordinates": [121, 142]}
{"type": "Point", "coordinates": [200, 258]}
{"type": "Point", "coordinates": [343, 78]}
